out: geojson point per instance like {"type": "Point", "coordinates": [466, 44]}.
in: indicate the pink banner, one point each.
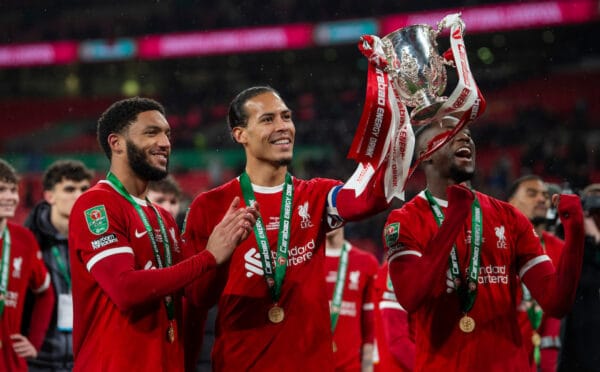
{"type": "Point", "coordinates": [503, 16]}
{"type": "Point", "coordinates": [38, 54]}
{"type": "Point", "coordinates": [226, 41]}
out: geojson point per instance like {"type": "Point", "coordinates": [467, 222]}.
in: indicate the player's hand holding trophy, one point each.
{"type": "Point", "coordinates": [406, 70]}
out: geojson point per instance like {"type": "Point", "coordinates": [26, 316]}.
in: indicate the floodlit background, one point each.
{"type": "Point", "coordinates": [64, 62]}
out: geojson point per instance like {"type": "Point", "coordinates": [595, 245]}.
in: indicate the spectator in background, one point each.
{"type": "Point", "coordinates": [128, 264]}
{"type": "Point", "coordinates": [394, 329]}
{"type": "Point", "coordinates": [350, 277]}
{"type": "Point", "coordinates": [529, 194]}
{"type": "Point", "coordinates": [167, 194]}
{"type": "Point", "coordinates": [21, 267]}
{"type": "Point", "coordinates": [454, 255]}
{"type": "Point", "coordinates": [580, 331]}
{"type": "Point", "coordinates": [272, 302]}
{"type": "Point", "coordinates": [63, 182]}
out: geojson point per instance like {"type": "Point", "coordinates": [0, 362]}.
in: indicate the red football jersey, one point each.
{"type": "Point", "coordinates": [394, 333]}
{"type": "Point", "coordinates": [509, 248]}
{"type": "Point", "coordinates": [26, 270]}
{"type": "Point", "coordinates": [245, 338]}
{"type": "Point", "coordinates": [103, 223]}
{"type": "Point", "coordinates": [355, 322]}
{"type": "Point", "coordinates": [549, 329]}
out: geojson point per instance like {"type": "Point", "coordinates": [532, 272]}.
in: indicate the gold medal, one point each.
{"type": "Point", "coordinates": [466, 324]}
{"type": "Point", "coordinates": [536, 340]}
{"type": "Point", "coordinates": [276, 314]}
{"type": "Point", "coordinates": [171, 333]}
{"type": "Point", "coordinates": [334, 347]}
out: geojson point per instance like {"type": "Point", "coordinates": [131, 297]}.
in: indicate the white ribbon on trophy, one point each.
{"type": "Point", "coordinates": [405, 69]}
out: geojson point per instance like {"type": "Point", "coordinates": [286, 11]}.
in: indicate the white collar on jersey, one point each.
{"type": "Point", "coordinates": [335, 252]}
{"type": "Point", "coordinates": [141, 202]}
{"type": "Point", "coordinates": [266, 189]}
{"type": "Point", "coordinates": [442, 203]}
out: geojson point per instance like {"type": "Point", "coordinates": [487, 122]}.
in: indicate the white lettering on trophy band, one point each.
{"type": "Point", "coordinates": [296, 256]}
{"type": "Point", "coordinates": [380, 88]}
{"type": "Point", "coordinates": [463, 63]}
{"type": "Point", "coordinates": [379, 113]}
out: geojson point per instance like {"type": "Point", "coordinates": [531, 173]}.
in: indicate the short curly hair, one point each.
{"type": "Point", "coordinates": [69, 169]}
{"type": "Point", "coordinates": [120, 115]}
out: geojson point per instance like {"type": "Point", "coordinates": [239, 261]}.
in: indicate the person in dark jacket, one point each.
{"type": "Point", "coordinates": [580, 332]}
{"type": "Point", "coordinates": [63, 182]}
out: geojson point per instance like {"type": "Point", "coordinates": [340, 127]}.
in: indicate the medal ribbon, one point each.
{"type": "Point", "coordinates": [466, 294]}
{"type": "Point", "coordinates": [62, 267]}
{"type": "Point", "coordinates": [274, 278]}
{"type": "Point", "coordinates": [4, 267]}
{"type": "Point", "coordinates": [114, 181]}
{"type": "Point", "coordinates": [384, 131]}
{"type": "Point", "coordinates": [534, 313]}
{"type": "Point", "coordinates": [338, 291]}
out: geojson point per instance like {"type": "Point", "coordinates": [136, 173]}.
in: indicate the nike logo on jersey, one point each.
{"type": "Point", "coordinates": [140, 234]}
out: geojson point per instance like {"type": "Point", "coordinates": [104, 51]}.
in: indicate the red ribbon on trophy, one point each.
{"type": "Point", "coordinates": [385, 131]}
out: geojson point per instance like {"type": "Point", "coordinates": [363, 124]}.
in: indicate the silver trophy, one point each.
{"type": "Point", "coordinates": [416, 70]}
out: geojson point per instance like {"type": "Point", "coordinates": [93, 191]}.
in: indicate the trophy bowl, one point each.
{"type": "Point", "coordinates": [416, 70]}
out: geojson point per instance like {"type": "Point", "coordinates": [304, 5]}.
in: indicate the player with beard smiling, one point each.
{"type": "Point", "coordinates": [128, 264]}
{"type": "Point", "coordinates": [449, 250]}
{"type": "Point", "coordinates": [273, 306]}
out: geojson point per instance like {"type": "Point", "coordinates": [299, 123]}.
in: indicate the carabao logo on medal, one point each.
{"type": "Point", "coordinates": [96, 219]}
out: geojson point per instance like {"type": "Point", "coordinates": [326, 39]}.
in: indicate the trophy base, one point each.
{"type": "Point", "coordinates": [423, 114]}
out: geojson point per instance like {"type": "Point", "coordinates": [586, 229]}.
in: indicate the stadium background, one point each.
{"type": "Point", "coordinates": [63, 62]}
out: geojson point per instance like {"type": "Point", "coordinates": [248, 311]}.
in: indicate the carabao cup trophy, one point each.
{"type": "Point", "coordinates": [407, 71]}
{"type": "Point", "coordinates": [418, 71]}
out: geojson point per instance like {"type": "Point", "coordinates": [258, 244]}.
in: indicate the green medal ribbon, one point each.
{"type": "Point", "coordinates": [338, 291]}
{"type": "Point", "coordinates": [534, 313]}
{"type": "Point", "coordinates": [114, 181]}
{"type": "Point", "coordinates": [62, 267]}
{"type": "Point", "coordinates": [274, 278]}
{"type": "Point", "coordinates": [468, 292]}
{"type": "Point", "coordinates": [4, 267]}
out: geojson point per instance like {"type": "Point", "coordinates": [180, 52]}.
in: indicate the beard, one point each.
{"type": "Point", "coordinates": [141, 167]}
{"type": "Point", "coordinates": [460, 175]}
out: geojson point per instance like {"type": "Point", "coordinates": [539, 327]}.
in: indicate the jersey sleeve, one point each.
{"type": "Point", "coordinates": [529, 250]}
{"type": "Point", "coordinates": [97, 224]}
{"type": "Point", "coordinates": [206, 290]}
{"type": "Point", "coordinates": [400, 235]}
{"type": "Point", "coordinates": [40, 278]}
{"type": "Point", "coordinates": [368, 320]}
{"type": "Point", "coordinates": [353, 202]}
